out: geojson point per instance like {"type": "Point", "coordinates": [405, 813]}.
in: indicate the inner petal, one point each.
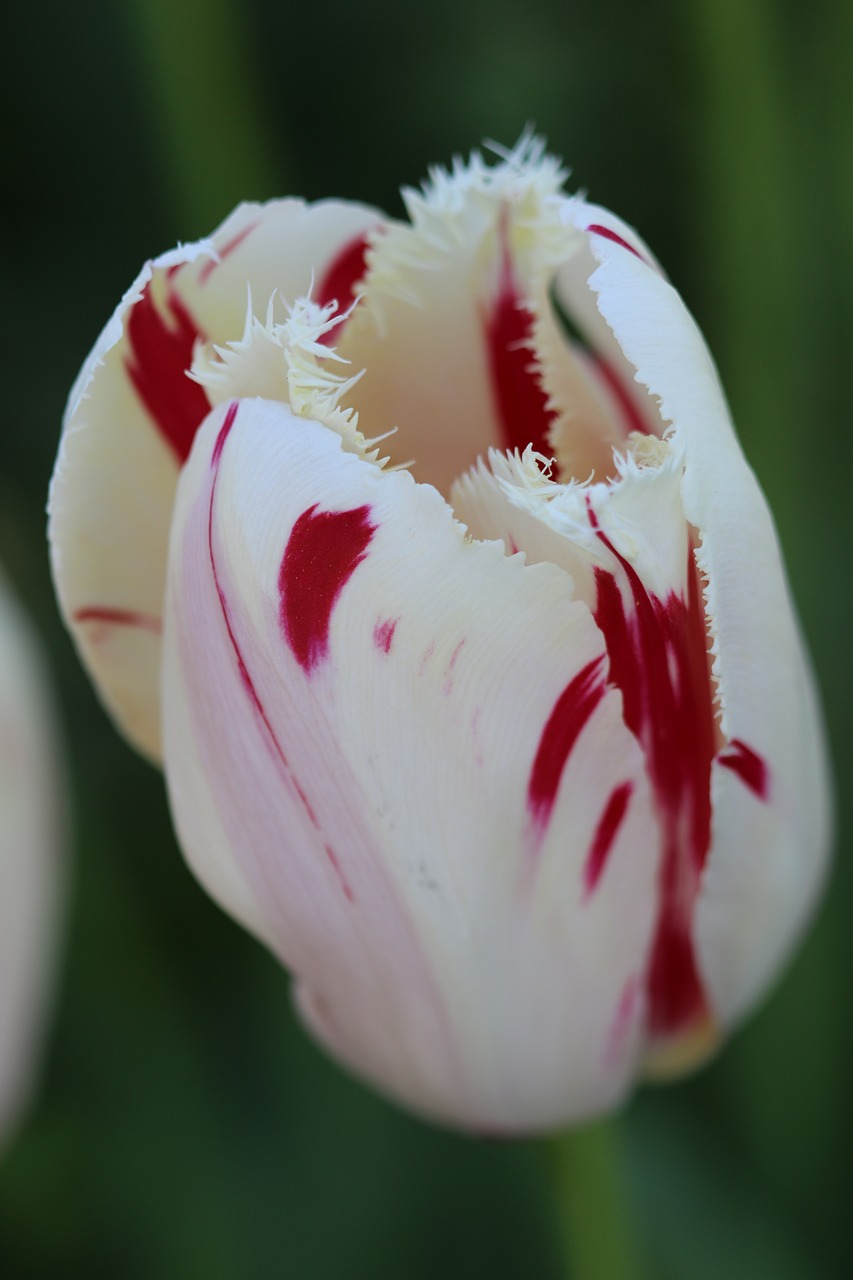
{"type": "Point", "coordinates": [477, 328]}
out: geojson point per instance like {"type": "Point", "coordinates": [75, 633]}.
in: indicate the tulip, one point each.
{"type": "Point", "coordinates": [427, 558]}
{"type": "Point", "coordinates": [29, 861]}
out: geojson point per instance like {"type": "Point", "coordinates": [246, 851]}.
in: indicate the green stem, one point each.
{"type": "Point", "coordinates": [203, 94]}
{"type": "Point", "coordinates": [595, 1222]}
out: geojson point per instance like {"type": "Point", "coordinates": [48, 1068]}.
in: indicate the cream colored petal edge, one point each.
{"type": "Point", "coordinates": [768, 857]}
{"type": "Point", "coordinates": [31, 874]}
{"type": "Point", "coordinates": [113, 488]}
{"type": "Point", "coordinates": [369, 815]}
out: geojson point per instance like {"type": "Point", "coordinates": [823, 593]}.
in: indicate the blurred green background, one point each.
{"type": "Point", "coordinates": [184, 1126]}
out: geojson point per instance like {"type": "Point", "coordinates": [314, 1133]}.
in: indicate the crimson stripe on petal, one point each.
{"type": "Point", "coordinates": [119, 618]}
{"type": "Point", "coordinates": [161, 344]}
{"type": "Point", "coordinates": [605, 835]}
{"type": "Point", "coordinates": [520, 400]}
{"type": "Point", "coordinates": [750, 767]}
{"type": "Point", "coordinates": [342, 276]}
{"type": "Point", "coordinates": [658, 652]}
{"type": "Point", "coordinates": [571, 711]}
{"type": "Point", "coordinates": [599, 230]}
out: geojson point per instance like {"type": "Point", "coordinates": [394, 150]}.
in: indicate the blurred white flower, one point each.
{"type": "Point", "coordinates": [32, 802]}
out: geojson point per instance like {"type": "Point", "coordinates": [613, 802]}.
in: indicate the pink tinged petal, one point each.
{"type": "Point", "coordinates": [426, 959]}
{"type": "Point", "coordinates": [31, 845]}
{"type": "Point", "coordinates": [323, 551]}
{"type": "Point", "coordinates": [768, 855]}
{"type": "Point", "coordinates": [130, 422]}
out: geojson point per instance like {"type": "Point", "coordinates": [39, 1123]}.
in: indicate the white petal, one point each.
{"type": "Point", "coordinates": [30, 874]}
{"type": "Point", "coordinates": [369, 725]}
{"type": "Point", "coordinates": [131, 418]}
{"type": "Point", "coordinates": [771, 811]}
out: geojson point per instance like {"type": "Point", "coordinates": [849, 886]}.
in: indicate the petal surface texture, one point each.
{"type": "Point", "coordinates": [30, 870]}
{"type": "Point", "coordinates": [133, 413]}
{"type": "Point", "coordinates": [390, 752]}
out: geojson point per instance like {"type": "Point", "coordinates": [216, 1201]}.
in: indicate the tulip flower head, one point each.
{"type": "Point", "coordinates": [29, 862]}
{"type": "Point", "coordinates": [426, 557]}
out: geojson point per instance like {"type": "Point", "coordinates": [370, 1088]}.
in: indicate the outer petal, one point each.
{"type": "Point", "coordinates": [771, 810]}
{"type": "Point", "coordinates": [370, 726]}
{"type": "Point", "coordinates": [29, 870]}
{"type": "Point", "coordinates": [131, 419]}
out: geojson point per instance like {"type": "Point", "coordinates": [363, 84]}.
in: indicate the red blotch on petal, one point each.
{"type": "Point", "coordinates": [748, 765]}
{"type": "Point", "coordinates": [161, 341]}
{"type": "Point", "coordinates": [323, 551]}
{"type": "Point", "coordinates": [383, 634]}
{"type": "Point", "coordinates": [605, 835]}
{"type": "Point", "coordinates": [571, 711]}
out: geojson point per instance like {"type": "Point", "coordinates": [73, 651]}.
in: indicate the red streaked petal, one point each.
{"type": "Point", "coordinates": [323, 551]}
{"type": "Point", "coordinates": [750, 907]}
{"type": "Point", "coordinates": [381, 807]}
{"type": "Point", "coordinates": [658, 659]}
